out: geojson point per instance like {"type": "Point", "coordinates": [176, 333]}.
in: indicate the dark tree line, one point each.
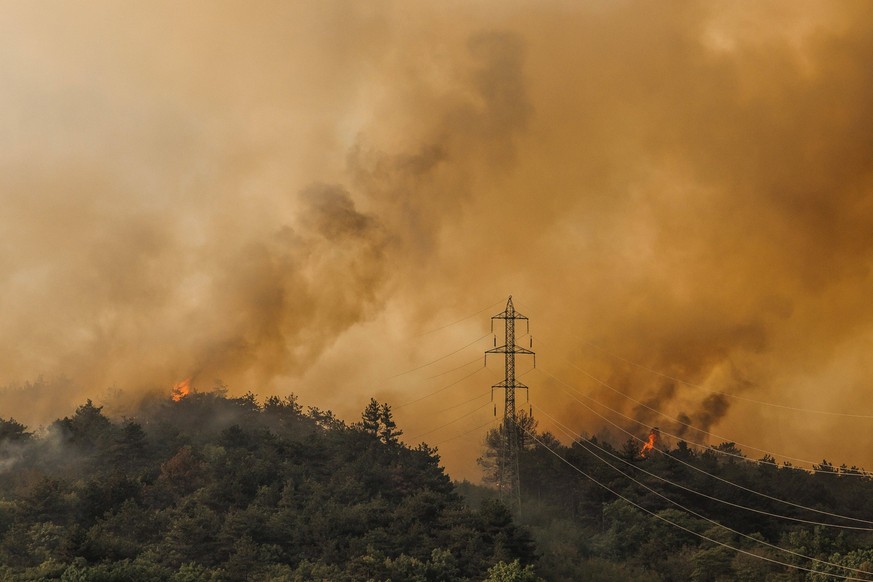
{"type": "Point", "coordinates": [584, 531]}
{"type": "Point", "coordinates": [217, 488]}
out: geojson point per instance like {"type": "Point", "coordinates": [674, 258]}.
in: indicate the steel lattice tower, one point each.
{"type": "Point", "coordinates": [508, 481]}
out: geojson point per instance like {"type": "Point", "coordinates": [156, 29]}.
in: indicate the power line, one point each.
{"type": "Point", "coordinates": [720, 392]}
{"type": "Point", "coordinates": [723, 480]}
{"type": "Point", "coordinates": [474, 399]}
{"type": "Point", "coordinates": [465, 433]}
{"type": "Point", "coordinates": [728, 394]}
{"type": "Point", "coordinates": [476, 359]}
{"type": "Point", "coordinates": [703, 517]}
{"type": "Point", "coordinates": [812, 464]}
{"type": "Point", "coordinates": [674, 524]}
{"type": "Point", "coordinates": [440, 358]}
{"type": "Point", "coordinates": [446, 387]}
{"type": "Point", "coordinates": [493, 305]}
{"type": "Point", "coordinates": [626, 417]}
{"type": "Point", "coordinates": [584, 444]}
{"type": "Point", "coordinates": [450, 422]}
{"type": "Point", "coordinates": [685, 424]}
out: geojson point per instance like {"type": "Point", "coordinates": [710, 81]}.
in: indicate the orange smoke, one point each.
{"type": "Point", "coordinates": [654, 434]}
{"type": "Point", "coordinates": [181, 390]}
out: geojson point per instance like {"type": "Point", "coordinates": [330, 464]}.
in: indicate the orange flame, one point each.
{"type": "Point", "coordinates": [650, 445]}
{"type": "Point", "coordinates": [181, 390]}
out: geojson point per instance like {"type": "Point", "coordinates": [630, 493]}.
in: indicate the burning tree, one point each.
{"type": "Point", "coordinates": [181, 390]}
{"type": "Point", "coordinates": [649, 446]}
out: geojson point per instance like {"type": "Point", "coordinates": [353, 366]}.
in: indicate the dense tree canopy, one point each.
{"type": "Point", "coordinates": [217, 488]}
{"type": "Point", "coordinates": [604, 512]}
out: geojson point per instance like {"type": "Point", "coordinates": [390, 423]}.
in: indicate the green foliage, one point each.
{"type": "Point", "coordinates": [377, 421]}
{"type": "Point", "coordinates": [389, 433]}
{"type": "Point", "coordinates": [602, 570]}
{"type": "Point", "coordinates": [218, 488]}
{"type": "Point", "coordinates": [13, 431]}
{"type": "Point", "coordinates": [492, 462]}
{"type": "Point", "coordinates": [370, 418]}
{"type": "Point", "coordinates": [512, 572]}
{"type": "Point", "coordinates": [861, 559]}
{"type": "Point", "coordinates": [88, 428]}
{"type": "Point", "coordinates": [633, 525]}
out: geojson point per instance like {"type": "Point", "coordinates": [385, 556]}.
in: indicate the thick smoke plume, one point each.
{"type": "Point", "coordinates": [285, 198]}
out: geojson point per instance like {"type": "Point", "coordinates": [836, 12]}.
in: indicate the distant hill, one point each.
{"type": "Point", "coordinates": [225, 489]}
{"type": "Point", "coordinates": [217, 488]}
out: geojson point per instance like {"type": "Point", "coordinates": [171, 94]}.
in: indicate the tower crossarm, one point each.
{"type": "Point", "coordinates": [510, 313]}
{"type": "Point", "coordinates": [517, 385]}
{"type": "Point", "coordinates": [514, 349]}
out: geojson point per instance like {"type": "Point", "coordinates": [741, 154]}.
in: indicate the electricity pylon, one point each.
{"type": "Point", "coordinates": [508, 477]}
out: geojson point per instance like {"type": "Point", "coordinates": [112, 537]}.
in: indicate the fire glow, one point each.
{"type": "Point", "coordinates": [650, 444]}
{"type": "Point", "coordinates": [181, 390]}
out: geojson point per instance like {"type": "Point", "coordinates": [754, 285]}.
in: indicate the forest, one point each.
{"type": "Point", "coordinates": [603, 512]}
{"type": "Point", "coordinates": [212, 487]}
{"type": "Point", "coordinates": [218, 488]}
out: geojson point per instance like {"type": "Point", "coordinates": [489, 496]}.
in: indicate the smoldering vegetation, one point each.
{"type": "Point", "coordinates": [242, 195]}
{"type": "Point", "coordinates": [210, 487]}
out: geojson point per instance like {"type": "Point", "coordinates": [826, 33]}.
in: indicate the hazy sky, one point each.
{"type": "Point", "coordinates": [286, 196]}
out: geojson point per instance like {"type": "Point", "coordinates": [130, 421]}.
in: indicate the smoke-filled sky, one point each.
{"type": "Point", "coordinates": [301, 197]}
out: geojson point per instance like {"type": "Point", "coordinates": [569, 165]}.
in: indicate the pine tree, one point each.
{"type": "Point", "coordinates": [370, 418]}
{"type": "Point", "coordinates": [388, 431]}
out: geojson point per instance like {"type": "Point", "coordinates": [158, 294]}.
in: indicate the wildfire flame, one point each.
{"type": "Point", "coordinates": [650, 444]}
{"type": "Point", "coordinates": [181, 390]}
